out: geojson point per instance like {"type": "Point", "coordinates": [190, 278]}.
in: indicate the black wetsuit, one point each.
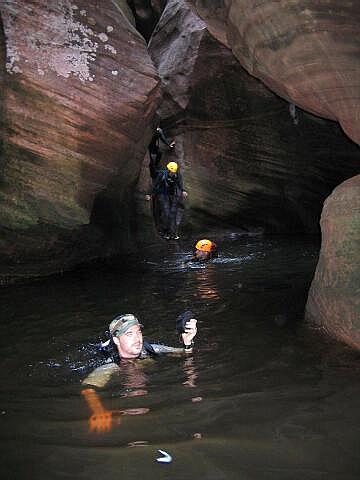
{"type": "Point", "coordinates": [168, 189]}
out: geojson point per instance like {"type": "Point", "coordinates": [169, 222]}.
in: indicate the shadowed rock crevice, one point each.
{"type": "Point", "coordinates": [146, 14]}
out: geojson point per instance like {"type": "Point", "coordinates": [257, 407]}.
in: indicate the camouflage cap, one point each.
{"type": "Point", "coordinates": [122, 323]}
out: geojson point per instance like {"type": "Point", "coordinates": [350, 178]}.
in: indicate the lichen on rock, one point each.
{"type": "Point", "coordinates": [76, 122]}
{"type": "Point", "coordinates": [67, 45]}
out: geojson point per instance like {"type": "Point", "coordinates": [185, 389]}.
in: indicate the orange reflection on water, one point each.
{"type": "Point", "coordinates": [206, 283]}
{"type": "Point", "coordinates": [100, 423]}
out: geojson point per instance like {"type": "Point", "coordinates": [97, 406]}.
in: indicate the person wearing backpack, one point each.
{"type": "Point", "coordinates": [169, 191]}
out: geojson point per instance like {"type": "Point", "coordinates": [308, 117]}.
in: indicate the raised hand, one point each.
{"type": "Point", "coordinates": [190, 331]}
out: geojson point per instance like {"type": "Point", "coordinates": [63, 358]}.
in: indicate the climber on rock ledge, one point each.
{"type": "Point", "coordinates": [155, 152]}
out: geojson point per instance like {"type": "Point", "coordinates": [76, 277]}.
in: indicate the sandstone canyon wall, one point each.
{"type": "Point", "coordinates": [334, 297]}
{"type": "Point", "coordinates": [249, 158]}
{"type": "Point", "coordinates": [78, 95]}
{"type": "Point", "coordinates": [307, 52]}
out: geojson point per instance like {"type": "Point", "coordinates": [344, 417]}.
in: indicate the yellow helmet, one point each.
{"type": "Point", "coordinates": [172, 167]}
{"type": "Point", "coordinates": [204, 245]}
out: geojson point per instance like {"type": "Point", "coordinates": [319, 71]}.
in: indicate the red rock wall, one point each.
{"type": "Point", "coordinates": [248, 157]}
{"type": "Point", "coordinates": [307, 52]}
{"type": "Point", "coordinates": [79, 94]}
{"type": "Point", "coordinates": [334, 297]}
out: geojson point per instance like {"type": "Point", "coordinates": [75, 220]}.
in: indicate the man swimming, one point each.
{"type": "Point", "coordinates": [125, 346]}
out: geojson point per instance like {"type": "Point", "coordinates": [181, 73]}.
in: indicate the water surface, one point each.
{"type": "Point", "coordinates": [262, 396]}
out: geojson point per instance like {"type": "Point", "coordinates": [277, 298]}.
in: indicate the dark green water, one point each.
{"type": "Point", "coordinates": [262, 396]}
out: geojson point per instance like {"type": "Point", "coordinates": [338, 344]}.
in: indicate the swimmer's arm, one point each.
{"type": "Point", "coordinates": [100, 376]}
{"type": "Point", "coordinates": [189, 335]}
{"type": "Point", "coordinates": [93, 401]}
{"type": "Point", "coordinates": [100, 419]}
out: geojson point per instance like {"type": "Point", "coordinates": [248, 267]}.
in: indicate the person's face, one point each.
{"type": "Point", "coordinates": [130, 344]}
{"type": "Point", "coordinates": [201, 255]}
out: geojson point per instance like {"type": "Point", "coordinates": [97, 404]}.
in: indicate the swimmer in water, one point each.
{"type": "Point", "coordinates": [125, 346]}
{"type": "Point", "coordinates": [204, 251]}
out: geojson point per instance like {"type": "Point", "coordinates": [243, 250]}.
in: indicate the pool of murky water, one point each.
{"type": "Point", "coordinates": [262, 396]}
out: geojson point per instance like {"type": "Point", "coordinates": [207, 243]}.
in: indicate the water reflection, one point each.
{"type": "Point", "coordinates": [135, 379]}
{"type": "Point", "coordinates": [190, 373]}
{"type": "Point", "coordinates": [205, 283]}
{"type": "Point", "coordinates": [265, 402]}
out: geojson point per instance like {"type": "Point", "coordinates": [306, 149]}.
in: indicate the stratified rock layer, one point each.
{"type": "Point", "coordinates": [78, 95]}
{"type": "Point", "coordinates": [308, 52]}
{"type": "Point", "coordinates": [248, 157]}
{"type": "Point", "coordinates": [334, 298]}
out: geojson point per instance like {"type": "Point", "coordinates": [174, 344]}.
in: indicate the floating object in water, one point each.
{"type": "Point", "coordinates": [138, 443]}
{"type": "Point", "coordinates": [166, 458]}
{"type": "Point", "coordinates": [196, 399]}
{"type": "Point", "coordinates": [133, 411]}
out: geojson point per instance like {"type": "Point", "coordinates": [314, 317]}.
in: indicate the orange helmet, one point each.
{"type": "Point", "coordinates": [204, 245]}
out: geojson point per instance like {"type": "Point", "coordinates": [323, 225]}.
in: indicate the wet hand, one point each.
{"type": "Point", "coordinates": [172, 144]}
{"type": "Point", "coordinates": [190, 331]}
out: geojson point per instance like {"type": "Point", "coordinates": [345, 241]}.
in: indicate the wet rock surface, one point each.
{"type": "Point", "coordinates": [307, 52]}
{"type": "Point", "coordinates": [78, 96]}
{"type": "Point", "coordinates": [249, 158]}
{"type": "Point", "coordinates": [334, 297]}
